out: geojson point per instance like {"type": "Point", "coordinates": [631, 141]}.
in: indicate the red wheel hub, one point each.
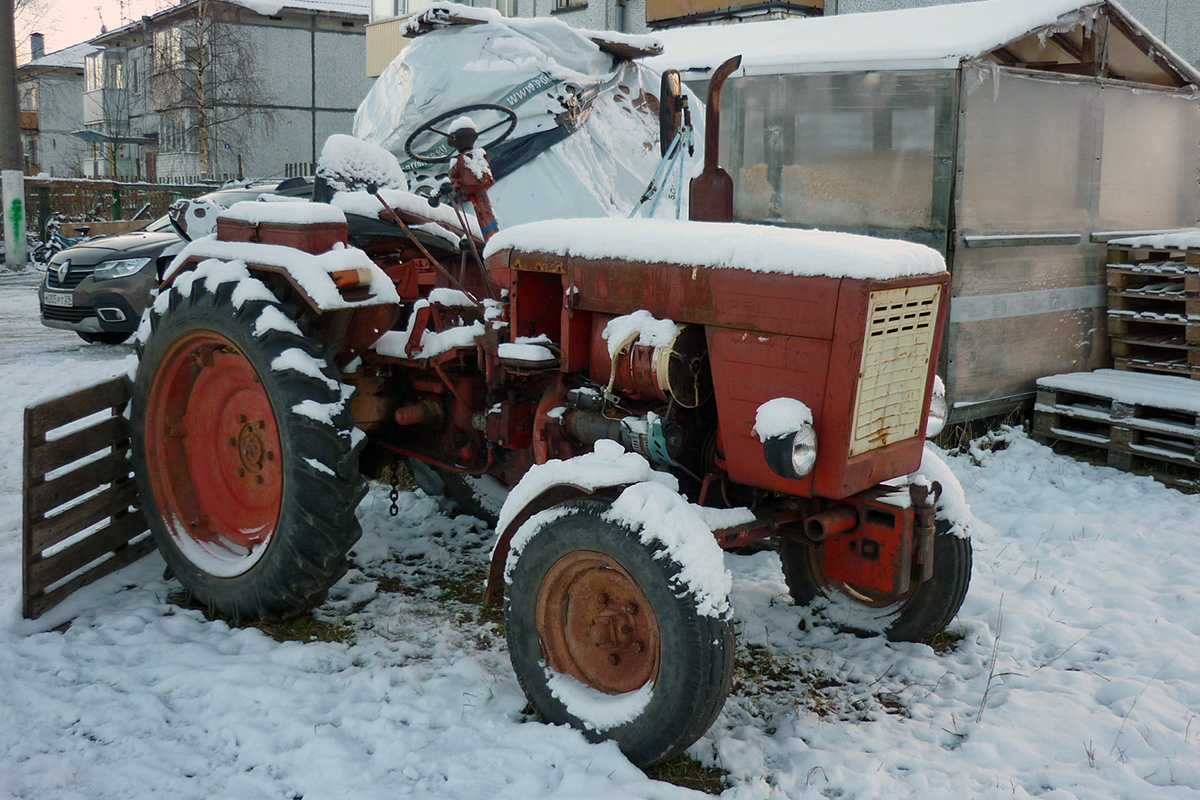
{"type": "Point", "coordinates": [596, 624]}
{"type": "Point", "coordinates": [212, 444]}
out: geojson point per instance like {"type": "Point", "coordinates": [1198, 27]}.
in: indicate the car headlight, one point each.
{"type": "Point", "coordinates": [792, 455]}
{"type": "Point", "coordinates": [121, 268]}
{"type": "Point", "coordinates": [938, 410]}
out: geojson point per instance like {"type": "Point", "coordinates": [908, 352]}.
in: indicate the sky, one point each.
{"type": "Point", "coordinates": [69, 22]}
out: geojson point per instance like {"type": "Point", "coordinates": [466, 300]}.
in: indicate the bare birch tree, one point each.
{"type": "Point", "coordinates": [212, 84]}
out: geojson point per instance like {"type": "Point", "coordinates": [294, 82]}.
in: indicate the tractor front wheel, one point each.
{"type": "Point", "coordinates": [243, 452]}
{"type": "Point", "coordinates": [602, 638]}
{"type": "Point", "coordinates": [914, 616]}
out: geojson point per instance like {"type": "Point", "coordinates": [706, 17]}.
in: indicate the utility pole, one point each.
{"type": "Point", "coordinates": [12, 173]}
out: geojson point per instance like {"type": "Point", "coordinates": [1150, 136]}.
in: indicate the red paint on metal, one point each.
{"type": "Point", "coordinates": [312, 238]}
{"type": "Point", "coordinates": [877, 555]}
{"type": "Point", "coordinates": [536, 307]}
{"type": "Point", "coordinates": [216, 466]}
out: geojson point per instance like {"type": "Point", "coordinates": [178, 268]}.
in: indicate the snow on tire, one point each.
{"type": "Point", "coordinates": [243, 447]}
{"type": "Point", "coordinates": [607, 633]}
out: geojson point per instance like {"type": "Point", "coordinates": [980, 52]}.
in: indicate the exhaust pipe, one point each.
{"type": "Point", "coordinates": [711, 196]}
{"type": "Point", "coordinates": [831, 523]}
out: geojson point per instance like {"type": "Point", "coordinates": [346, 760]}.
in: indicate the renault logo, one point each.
{"type": "Point", "coordinates": [63, 270]}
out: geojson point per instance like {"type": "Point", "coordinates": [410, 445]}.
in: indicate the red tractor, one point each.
{"type": "Point", "coordinates": [656, 391]}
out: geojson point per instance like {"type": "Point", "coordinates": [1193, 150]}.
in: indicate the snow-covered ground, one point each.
{"type": "Point", "coordinates": [1076, 675]}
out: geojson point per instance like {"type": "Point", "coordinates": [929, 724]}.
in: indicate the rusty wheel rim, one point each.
{"type": "Point", "coordinates": [212, 443]}
{"type": "Point", "coordinates": [871, 598]}
{"type": "Point", "coordinates": [596, 624]}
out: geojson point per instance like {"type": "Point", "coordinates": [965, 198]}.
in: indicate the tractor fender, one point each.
{"type": "Point", "coordinates": [550, 497]}
{"type": "Point", "coordinates": [355, 318]}
{"type": "Point", "coordinates": [316, 279]}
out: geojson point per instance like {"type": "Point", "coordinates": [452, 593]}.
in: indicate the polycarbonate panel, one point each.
{"type": "Point", "coordinates": [1027, 149]}
{"type": "Point", "coordinates": [849, 151]}
{"type": "Point", "coordinates": [1053, 155]}
{"type": "Point", "coordinates": [1150, 146]}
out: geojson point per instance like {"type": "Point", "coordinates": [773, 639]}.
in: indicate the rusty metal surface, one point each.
{"type": "Point", "coordinates": [596, 624]}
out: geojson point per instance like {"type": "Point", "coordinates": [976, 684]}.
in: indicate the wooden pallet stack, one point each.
{"type": "Point", "coordinates": [1143, 416]}
{"type": "Point", "coordinates": [1154, 307]}
{"type": "Point", "coordinates": [1144, 423]}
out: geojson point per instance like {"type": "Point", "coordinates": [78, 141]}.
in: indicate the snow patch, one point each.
{"type": "Point", "coordinates": [326, 413]}
{"type": "Point", "coordinates": [319, 467]}
{"type": "Point", "coordinates": [347, 163]}
{"type": "Point", "coordinates": [607, 465]}
{"type": "Point", "coordinates": [661, 515]}
{"type": "Point", "coordinates": [952, 504]}
{"type": "Point", "coordinates": [272, 319]}
{"type": "Point", "coordinates": [311, 272]}
{"type": "Point", "coordinates": [780, 417]}
{"type": "Point", "coordinates": [297, 360]}
{"type": "Point", "coordinates": [363, 204]}
{"type": "Point", "coordinates": [641, 325]}
{"type": "Point", "coordinates": [257, 213]}
{"type": "Point", "coordinates": [723, 245]}
{"type": "Point", "coordinates": [598, 711]}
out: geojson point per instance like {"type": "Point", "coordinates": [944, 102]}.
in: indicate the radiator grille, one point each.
{"type": "Point", "coordinates": [74, 277]}
{"type": "Point", "coordinates": [895, 366]}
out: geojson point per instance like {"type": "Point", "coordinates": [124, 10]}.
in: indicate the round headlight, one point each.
{"type": "Point", "coordinates": [792, 455]}
{"type": "Point", "coordinates": [804, 451]}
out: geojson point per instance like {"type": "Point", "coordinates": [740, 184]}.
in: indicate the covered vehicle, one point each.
{"type": "Point", "coordinates": [100, 287]}
{"type": "Point", "coordinates": [586, 140]}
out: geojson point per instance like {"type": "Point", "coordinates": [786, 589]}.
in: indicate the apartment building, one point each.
{"type": "Point", "coordinates": [49, 86]}
{"type": "Point", "coordinates": [218, 89]}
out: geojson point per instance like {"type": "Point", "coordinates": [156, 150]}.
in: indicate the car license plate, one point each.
{"type": "Point", "coordinates": [59, 299]}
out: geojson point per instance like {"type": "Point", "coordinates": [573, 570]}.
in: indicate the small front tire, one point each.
{"type": "Point", "coordinates": [602, 638]}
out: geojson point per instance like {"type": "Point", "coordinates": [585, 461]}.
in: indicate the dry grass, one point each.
{"type": "Point", "coordinates": [306, 628]}
{"type": "Point", "coordinates": [690, 774]}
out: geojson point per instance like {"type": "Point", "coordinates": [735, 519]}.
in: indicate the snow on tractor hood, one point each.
{"type": "Point", "coordinates": [586, 141]}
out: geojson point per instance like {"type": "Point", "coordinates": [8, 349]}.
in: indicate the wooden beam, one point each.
{"type": "Point", "coordinates": [1147, 46]}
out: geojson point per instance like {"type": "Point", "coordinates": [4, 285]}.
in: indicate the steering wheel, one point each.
{"type": "Point", "coordinates": [437, 152]}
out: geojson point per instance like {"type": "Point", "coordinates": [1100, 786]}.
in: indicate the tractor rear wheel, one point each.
{"type": "Point", "coordinates": [243, 452]}
{"type": "Point", "coordinates": [914, 616]}
{"type": "Point", "coordinates": [603, 639]}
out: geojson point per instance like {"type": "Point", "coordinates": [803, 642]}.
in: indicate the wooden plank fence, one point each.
{"type": "Point", "coordinates": [81, 520]}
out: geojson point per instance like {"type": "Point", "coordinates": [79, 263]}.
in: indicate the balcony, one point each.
{"type": "Point", "coordinates": [29, 122]}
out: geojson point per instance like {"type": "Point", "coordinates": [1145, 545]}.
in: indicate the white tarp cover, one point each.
{"type": "Point", "coordinates": [540, 68]}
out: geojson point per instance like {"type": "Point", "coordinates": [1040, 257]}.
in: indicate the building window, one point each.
{"type": "Point", "coordinates": [168, 49]}
{"type": "Point", "coordinates": [29, 96]}
{"type": "Point", "coordinates": [569, 5]}
{"type": "Point", "coordinates": [94, 72]}
{"type": "Point", "coordinates": [386, 9]}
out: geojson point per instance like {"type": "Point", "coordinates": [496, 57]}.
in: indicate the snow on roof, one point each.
{"type": "Point", "coordinates": [72, 56]}
{"type": "Point", "coordinates": [915, 38]}
{"type": "Point", "coordinates": [271, 7]}
{"type": "Point", "coordinates": [727, 245]}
